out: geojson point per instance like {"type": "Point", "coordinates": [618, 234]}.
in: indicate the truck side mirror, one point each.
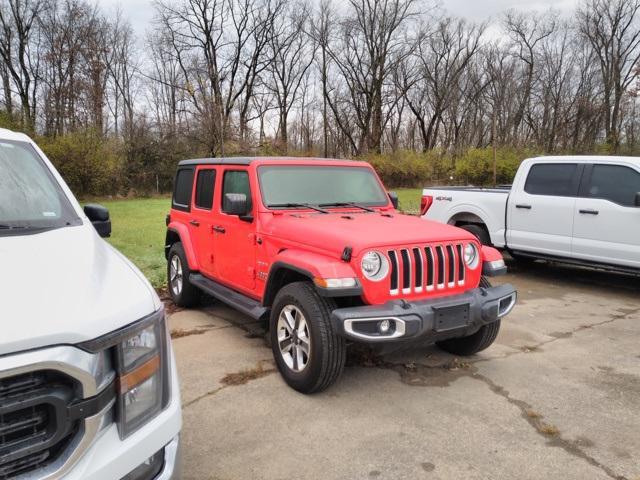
{"type": "Point", "coordinates": [638, 199]}
{"type": "Point", "coordinates": [235, 204]}
{"type": "Point", "coordinates": [393, 196]}
{"type": "Point", "coordinates": [99, 217]}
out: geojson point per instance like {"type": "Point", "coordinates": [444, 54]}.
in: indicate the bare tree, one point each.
{"type": "Point", "coordinates": [611, 27]}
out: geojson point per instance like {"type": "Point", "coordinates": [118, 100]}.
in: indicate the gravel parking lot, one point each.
{"type": "Point", "coordinates": [557, 396]}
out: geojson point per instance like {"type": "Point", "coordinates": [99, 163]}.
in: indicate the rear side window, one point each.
{"type": "Point", "coordinates": [183, 189]}
{"type": "Point", "coordinates": [236, 181]}
{"type": "Point", "coordinates": [557, 179]}
{"type": "Point", "coordinates": [615, 183]}
{"type": "Point", "coordinates": [204, 189]}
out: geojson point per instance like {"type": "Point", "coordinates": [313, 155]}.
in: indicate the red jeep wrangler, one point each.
{"type": "Point", "coordinates": [319, 249]}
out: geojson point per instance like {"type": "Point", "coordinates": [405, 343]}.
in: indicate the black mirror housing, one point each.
{"type": "Point", "coordinates": [393, 196]}
{"type": "Point", "coordinates": [99, 217]}
{"type": "Point", "coordinates": [235, 204]}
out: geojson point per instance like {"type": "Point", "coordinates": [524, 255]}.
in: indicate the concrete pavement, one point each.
{"type": "Point", "coordinates": [557, 396]}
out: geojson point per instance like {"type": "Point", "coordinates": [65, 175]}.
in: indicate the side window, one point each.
{"type": "Point", "coordinates": [557, 179]}
{"type": "Point", "coordinates": [236, 181]}
{"type": "Point", "coordinates": [183, 188]}
{"type": "Point", "coordinates": [204, 188]}
{"type": "Point", "coordinates": [616, 183]}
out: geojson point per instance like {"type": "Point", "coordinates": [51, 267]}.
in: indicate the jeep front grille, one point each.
{"type": "Point", "coordinates": [426, 268]}
{"type": "Point", "coordinates": [33, 426]}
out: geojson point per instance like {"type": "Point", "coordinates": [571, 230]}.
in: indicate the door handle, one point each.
{"type": "Point", "coordinates": [195, 223]}
{"type": "Point", "coordinates": [526, 207]}
{"type": "Point", "coordinates": [589, 212]}
{"type": "Point", "coordinates": [219, 229]}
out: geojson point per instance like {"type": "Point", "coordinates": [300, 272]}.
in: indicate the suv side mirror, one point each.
{"type": "Point", "coordinates": [638, 199]}
{"type": "Point", "coordinates": [99, 217]}
{"type": "Point", "coordinates": [235, 204]}
{"type": "Point", "coordinates": [393, 196]}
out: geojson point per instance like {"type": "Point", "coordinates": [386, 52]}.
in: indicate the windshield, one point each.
{"type": "Point", "coordinates": [290, 186]}
{"type": "Point", "coordinates": [30, 198]}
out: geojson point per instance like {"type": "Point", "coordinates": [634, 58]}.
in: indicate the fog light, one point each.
{"type": "Point", "coordinates": [384, 326]}
{"type": "Point", "coordinates": [149, 469]}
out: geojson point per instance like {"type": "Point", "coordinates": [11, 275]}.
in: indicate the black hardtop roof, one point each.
{"type": "Point", "coordinates": [249, 160]}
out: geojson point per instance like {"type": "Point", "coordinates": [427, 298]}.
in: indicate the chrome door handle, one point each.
{"type": "Point", "coordinates": [219, 229]}
{"type": "Point", "coordinates": [526, 207]}
{"type": "Point", "coordinates": [195, 223]}
{"type": "Point", "coordinates": [589, 212]}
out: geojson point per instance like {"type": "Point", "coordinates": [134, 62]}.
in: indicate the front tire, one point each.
{"type": "Point", "coordinates": [472, 344]}
{"type": "Point", "coordinates": [308, 353]}
{"type": "Point", "coordinates": [182, 292]}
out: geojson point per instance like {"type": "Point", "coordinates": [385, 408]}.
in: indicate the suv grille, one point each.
{"type": "Point", "coordinates": [34, 430]}
{"type": "Point", "coordinates": [426, 268]}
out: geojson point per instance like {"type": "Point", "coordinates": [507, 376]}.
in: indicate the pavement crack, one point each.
{"type": "Point", "coordinates": [235, 379]}
{"type": "Point", "coordinates": [548, 431]}
{"type": "Point", "coordinates": [558, 336]}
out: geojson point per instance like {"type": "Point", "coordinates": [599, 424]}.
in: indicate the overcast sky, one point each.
{"type": "Point", "coordinates": [140, 12]}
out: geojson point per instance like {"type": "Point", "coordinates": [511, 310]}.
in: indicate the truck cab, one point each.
{"type": "Point", "coordinates": [318, 250]}
{"type": "Point", "coordinates": [88, 382]}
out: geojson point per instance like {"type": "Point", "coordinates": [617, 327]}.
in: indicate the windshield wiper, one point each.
{"type": "Point", "coordinates": [297, 205]}
{"type": "Point", "coordinates": [11, 227]}
{"type": "Point", "coordinates": [347, 204]}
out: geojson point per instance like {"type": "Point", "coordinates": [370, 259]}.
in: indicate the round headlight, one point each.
{"type": "Point", "coordinates": [470, 255]}
{"type": "Point", "coordinates": [375, 266]}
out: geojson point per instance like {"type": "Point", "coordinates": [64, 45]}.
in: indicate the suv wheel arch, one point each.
{"type": "Point", "coordinates": [280, 275]}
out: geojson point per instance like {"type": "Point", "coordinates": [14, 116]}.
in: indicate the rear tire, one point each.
{"type": "Point", "coordinates": [479, 232]}
{"type": "Point", "coordinates": [308, 353]}
{"type": "Point", "coordinates": [472, 344]}
{"type": "Point", "coordinates": [182, 291]}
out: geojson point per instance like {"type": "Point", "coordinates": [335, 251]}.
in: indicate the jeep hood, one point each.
{"type": "Point", "coordinates": [360, 231]}
{"type": "Point", "coordinates": [66, 286]}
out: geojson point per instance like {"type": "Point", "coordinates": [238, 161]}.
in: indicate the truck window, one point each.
{"type": "Point", "coordinates": [558, 179]}
{"type": "Point", "coordinates": [236, 181]}
{"type": "Point", "coordinates": [183, 188]}
{"type": "Point", "coordinates": [615, 183]}
{"type": "Point", "coordinates": [204, 188]}
{"type": "Point", "coordinates": [30, 197]}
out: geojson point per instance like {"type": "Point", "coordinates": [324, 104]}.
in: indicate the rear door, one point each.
{"type": "Point", "coordinates": [235, 237]}
{"type": "Point", "coordinates": [201, 221]}
{"type": "Point", "coordinates": [607, 222]}
{"type": "Point", "coordinates": [540, 211]}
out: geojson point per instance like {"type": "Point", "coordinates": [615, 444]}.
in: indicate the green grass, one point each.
{"type": "Point", "coordinates": [138, 229]}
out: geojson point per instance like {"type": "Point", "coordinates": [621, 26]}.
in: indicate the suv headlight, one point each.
{"type": "Point", "coordinates": [375, 266]}
{"type": "Point", "coordinates": [143, 379]}
{"type": "Point", "coordinates": [471, 255]}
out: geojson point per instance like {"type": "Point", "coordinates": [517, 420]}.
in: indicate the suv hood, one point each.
{"type": "Point", "coordinates": [360, 231]}
{"type": "Point", "coordinates": [66, 286]}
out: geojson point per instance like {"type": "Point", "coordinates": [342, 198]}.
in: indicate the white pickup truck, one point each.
{"type": "Point", "coordinates": [580, 209]}
{"type": "Point", "coordinates": [88, 382]}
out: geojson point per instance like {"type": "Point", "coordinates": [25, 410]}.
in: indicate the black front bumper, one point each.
{"type": "Point", "coordinates": [429, 320]}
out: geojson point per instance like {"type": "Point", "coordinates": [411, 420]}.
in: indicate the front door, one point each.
{"type": "Point", "coordinates": [235, 236]}
{"type": "Point", "coordinates": [540, 213]}
{"type": "Point", "coordinates": [607, 221]}
{"type": "Point", "coordinates": [201, 219]}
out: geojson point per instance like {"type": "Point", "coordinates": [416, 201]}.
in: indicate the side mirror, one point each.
{"type": "Point", "coordinates": [638, 199]}
{"type": "Point", "coordinates": [393, 196]}
{"type": "Point", "coordinates": [99, 217]}
{"type": "Point", "coordinates": [235, 204]}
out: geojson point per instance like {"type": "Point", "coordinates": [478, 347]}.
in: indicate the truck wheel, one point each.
{"type": "Point", "coordinates": [308, 353]}
{"type": "Point", "coordinates": [477, 342]}
{"type": "Point", "coordinates": [182, 292]}
{"type": "Point", "coordinates": [480, 233]}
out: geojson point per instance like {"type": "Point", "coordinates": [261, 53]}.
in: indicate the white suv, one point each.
{"type": "Point", "coordinates": [88, 384]}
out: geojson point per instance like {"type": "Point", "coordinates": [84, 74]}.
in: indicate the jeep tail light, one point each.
{"type": "Point", "coordinates": [425, 204]}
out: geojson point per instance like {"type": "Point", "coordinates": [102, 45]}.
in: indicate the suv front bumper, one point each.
{"type": "Point", "coordinates": [430, 320]}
